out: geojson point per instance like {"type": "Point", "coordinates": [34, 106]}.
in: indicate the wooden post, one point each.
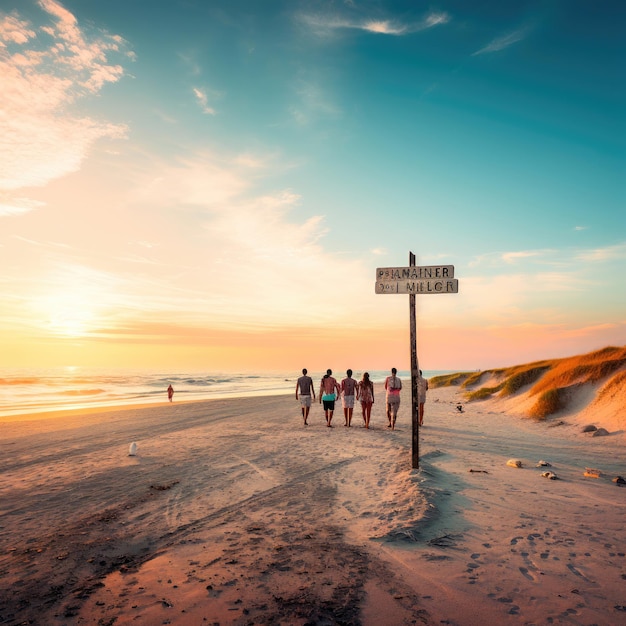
{"type": "Point", "coordinates": [415, 457]}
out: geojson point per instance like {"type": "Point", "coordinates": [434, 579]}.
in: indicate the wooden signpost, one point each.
{"type": "Point", "coordinates": [416, 280]}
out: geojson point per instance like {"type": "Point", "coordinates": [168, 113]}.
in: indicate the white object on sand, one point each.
{"type": "Point", "coordinates": [132, 450]}
{"type": "Point", "coordinates": [550, 475]}
{"type": "Point", "coordinates": [544, 464]}
{"type": "Point", "coordinates": [514, 463]}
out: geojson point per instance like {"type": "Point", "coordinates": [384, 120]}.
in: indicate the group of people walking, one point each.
{"type": "Point", "coordinates": [352, 391]}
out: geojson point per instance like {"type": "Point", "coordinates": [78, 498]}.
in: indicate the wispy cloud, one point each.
{"type": "Point", "coordinates": [203, 100]}
{"type": "Point", "coordinates": [313, 102]}
{"type": "Point", "coordinates": [17, 206]}
{"type": "Point", "coordinates": [607, 253]}
{"type": "Point", "coordinates": [243, 258]}
{"type": "Point", "coordinates": [513, 257]}
{"type": "Point", "coordinates": [581, 227]}
{"type": "Point", "coordinates": [503, 42]}
{"type": "Point", "coordinates": [547, 257]}
{"type": "Point", "coordinates": [45, 69]}
{"type": "Point", "coordinates": [323, 24]}
{"type": "Point", "coordinates": [495, 259]}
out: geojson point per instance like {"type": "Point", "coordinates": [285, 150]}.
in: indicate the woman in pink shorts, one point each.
{"type": "Point", "coordinates": [365, 393]}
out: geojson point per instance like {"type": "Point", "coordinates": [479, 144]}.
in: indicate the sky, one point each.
{"type": "Point", "coordinates": [212, 184]}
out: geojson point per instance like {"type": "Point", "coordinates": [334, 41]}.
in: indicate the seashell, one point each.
{"type": "Point", "coordinates": [592, 473]}
{"type": "Point", "coordinates": [132, 449]}
{"type": "Point", "coordinates": [514, 463]}
{"type": "Point", "coordinates": [543, 464]}
{"type": "Point", "coordinates": [550, 475]}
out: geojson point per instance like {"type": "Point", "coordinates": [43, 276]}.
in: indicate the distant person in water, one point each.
{"type": "Point", "coordinates": [365, 394]}
{"type": "Point", "coordinates": [348, 389]}
{"type": "Point", "coordinates": [422, 388]}
{"type": "Point", "coordinates": [170, 393]}
{"type": "Point", "coordinates": [304, 389]}
{"type": "Point", "coordinates": [393, 385]}
{"type": "Point", "coordinates": [329, 390]}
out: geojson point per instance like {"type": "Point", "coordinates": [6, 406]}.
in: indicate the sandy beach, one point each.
{"type": "Point", "coordinates": [233, 512]}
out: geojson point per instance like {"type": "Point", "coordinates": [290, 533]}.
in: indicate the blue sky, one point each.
{"type": "Point", "coordinates": [211, 181]}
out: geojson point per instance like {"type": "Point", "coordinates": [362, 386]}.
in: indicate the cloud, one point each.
{"type": "Point", "coordinates": [496, 259]}
{"type": "Point", "coordinates": [608, 253]}
{"type": "Point", "coordinates": [503, 42]}
{"type": "Point", "coordinates": [513, 257]}
{"type": "Point", "coordinates": [581, 227]}
{"type": "Point", "coordinates": [203, 100]}
{"type": "Point", "coordinates": [325, 24]}
{"type": "Point", "coordinates": [313, 102]}
{"type": "Point", "coordinates": [17, 206]}
{"type": "Point", "coordinates": [383, 27]}
{"type": "Point", "coordinates": [226, 252]}
{"type": "Point", "coordinates": [14, 30]}
{"type": "Point", "coordinates": [563, 259]}
{"type": "Point", "coordinates": [45, 69]}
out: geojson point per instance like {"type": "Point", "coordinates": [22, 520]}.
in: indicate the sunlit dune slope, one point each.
{"type": "Point", "coordinates": [589, 387]}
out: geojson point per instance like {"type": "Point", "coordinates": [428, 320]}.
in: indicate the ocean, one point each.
{"type": "Point", "coordinates": [42, 390]}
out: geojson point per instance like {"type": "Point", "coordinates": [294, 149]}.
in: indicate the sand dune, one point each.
{"type": "Point", "coordinates": [584, 389]}
{"type": "Point", "coordinates": [232, 512]}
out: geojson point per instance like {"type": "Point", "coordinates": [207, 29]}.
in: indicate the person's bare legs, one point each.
{"type": "Point", "coordinates": [394, 413]}
{"type": "Point", "coordinates": [329, 418]}
{"type": "Point", "coordinates": [389, 415]}
{"type": "Point", "coordinates": [368, 414]}
{"type": "Point", "coordinates": [350, 410]}
{"type": "Point", "coordinates": [345, 415]}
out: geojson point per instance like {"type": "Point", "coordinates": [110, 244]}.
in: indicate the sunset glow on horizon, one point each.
{"type": "Point", "coordinates": [215, 186]}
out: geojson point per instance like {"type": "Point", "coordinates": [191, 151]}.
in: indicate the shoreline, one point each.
{"type": "Point", "coordinates": [51, 413]}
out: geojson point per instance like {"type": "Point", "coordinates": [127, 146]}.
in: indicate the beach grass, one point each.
{"type": "Point", "coordinates": [550, 379]}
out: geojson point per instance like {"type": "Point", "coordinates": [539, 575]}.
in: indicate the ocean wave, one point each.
{"type": "Point", "coordinates": [19, 381]}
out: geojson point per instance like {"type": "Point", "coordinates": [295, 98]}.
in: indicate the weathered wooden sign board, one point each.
{"type": "Point", "coordinates": [416, 280]}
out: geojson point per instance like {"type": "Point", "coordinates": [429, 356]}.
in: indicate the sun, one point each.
{"type": "Point", "coordinates": [69, 315]}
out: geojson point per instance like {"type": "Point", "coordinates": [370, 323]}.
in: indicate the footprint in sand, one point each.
{"type": "Point", "coordinates": [526, 573]}
{"type": "Point", "coordinates": [577, 572]}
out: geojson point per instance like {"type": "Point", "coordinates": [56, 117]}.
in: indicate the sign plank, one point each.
{"type": "Point", "coordinates": [416, 272]}
{"type": "Point", "coordinates": [418, 287]}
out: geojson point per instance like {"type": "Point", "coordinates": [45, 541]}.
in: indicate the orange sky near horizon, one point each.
{"type": "Point", "coordinates": [284, 350]}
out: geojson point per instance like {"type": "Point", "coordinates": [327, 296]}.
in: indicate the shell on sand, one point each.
{"type": "Point", "coordinates": [550, 475]}
{"type": "Point", "coordinates": [132, 449]}
{"type": "Point", "coordinates": [592, 473]}
{"type": "Point", "coordinates": [589, 428]}
{"type": "Point", "coordinates": [618, 480]}
{"type": "Point", "coordinates": [544, 464]}
{"type": "Point", "coordinates": [514, 463]}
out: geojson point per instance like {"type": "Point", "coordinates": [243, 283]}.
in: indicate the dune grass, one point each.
{"type": "Point", "coordinates": [448, 380]}
{"type": "Point", "coordinates": [549, 402]}
{"type": "Point", "coordinates": [550, 379]}
{"type": "Point", "coordinates": [524, 376]}
{"type": "Point", "coordinates": [587, 368]}
{"type": "Point", "coordinates": [483, 393]}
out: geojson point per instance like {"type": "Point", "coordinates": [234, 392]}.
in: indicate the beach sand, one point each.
{"type": "Point", "coordinates": [233, 512]}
